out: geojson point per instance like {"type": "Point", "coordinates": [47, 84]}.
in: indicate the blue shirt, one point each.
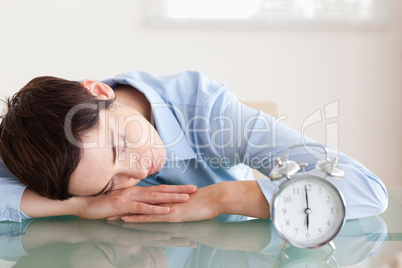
{"type": "Point", "coordinates": [210, 137]}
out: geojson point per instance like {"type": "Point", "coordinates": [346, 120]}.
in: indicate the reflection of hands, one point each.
{"type": "Point", "coordinates": [132, 200]}
{"type": "Point", "coordinates": [97, 243]}
{"type": "Point", "coordinates": [103, 255]}
{"type": "Point", "coordinates": [44, 231]}
{"type": "Point", "coordinates": [117, 244]}
{"type": "Point", "coordinates": [250, 235]}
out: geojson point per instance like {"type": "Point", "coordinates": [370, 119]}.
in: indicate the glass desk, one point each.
{"type": "Point", "coordinates": [228, 241]}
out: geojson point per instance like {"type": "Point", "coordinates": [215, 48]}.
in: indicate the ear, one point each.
{"type": "Point", "coordinates": [98, 89]}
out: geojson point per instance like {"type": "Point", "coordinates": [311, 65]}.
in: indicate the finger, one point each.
{"type": "Point", "coordinates": [114, 218]}
{"type": "Point", "coordinates": [144, 208]}
{"type": "Point", "coordinates": [186, 189]}
{"type": "Point", "coordinates": [159, 198]}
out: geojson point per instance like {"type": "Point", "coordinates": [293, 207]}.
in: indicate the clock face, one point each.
{"type": "Point", "coordinates": [308, 211]}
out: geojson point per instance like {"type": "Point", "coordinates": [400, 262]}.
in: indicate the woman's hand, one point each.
{"type": "Point", "coordinates": [133, 200]}
{"type": "Point", "coordinates": [202, 205]}
{"type": "Point", "coordinates": [232, 197]}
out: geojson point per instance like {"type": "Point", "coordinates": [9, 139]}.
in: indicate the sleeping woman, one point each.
{"type": "Point", "coordinates": [148, 148]}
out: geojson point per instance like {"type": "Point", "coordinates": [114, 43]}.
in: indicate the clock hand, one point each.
{"type": "Point", "coordinates": [308, 210]}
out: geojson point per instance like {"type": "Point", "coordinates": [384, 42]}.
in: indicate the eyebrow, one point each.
{"type": "Point", "coordinates": [114, 161]}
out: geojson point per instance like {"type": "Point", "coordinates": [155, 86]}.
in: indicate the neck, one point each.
{"type": "Point", "coordinates": [132, 97]}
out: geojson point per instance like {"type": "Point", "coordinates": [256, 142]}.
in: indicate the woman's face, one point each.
{"type": "Point", "coordinates": [121, 151]}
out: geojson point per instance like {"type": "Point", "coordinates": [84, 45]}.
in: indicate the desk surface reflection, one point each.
{"type": "Point", "coordinates": [228, 241]}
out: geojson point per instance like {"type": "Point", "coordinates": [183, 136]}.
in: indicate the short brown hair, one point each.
{"type": "Point", "coordinates": [33, 143]}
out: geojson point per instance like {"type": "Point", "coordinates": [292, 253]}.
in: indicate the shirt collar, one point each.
{"type": "Point", "coordinates": [170, 131]}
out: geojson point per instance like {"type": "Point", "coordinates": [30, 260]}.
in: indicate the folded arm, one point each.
{"type": "Point", "coordinates": [17, 201]}
{"type": "Point", "coordinates": [136, 199]}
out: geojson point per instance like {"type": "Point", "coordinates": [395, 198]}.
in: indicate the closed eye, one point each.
{"type": "Point", "coordinates": [124, 138]}
{"type": "Point", "coordinates": [111, 188]}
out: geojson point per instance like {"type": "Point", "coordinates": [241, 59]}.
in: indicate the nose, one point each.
{"type": "Point", "coordinates": [135, 165]}
{"type": "Point", "coordinates": [123, 181]}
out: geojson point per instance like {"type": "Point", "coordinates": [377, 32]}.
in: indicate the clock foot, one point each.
{"type": "Point", "coordinates": [332, 245]}
{"type": "Point", "coordinates": [331, 254]}
{"type": "Point", "coordinates": [283, 245]}
{"type": "Point", "coordinates": [283, 254]}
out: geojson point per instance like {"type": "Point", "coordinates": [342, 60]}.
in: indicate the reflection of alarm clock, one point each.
{"type": "Point", "coordinates": [296, 257]}
{"type": "Point", "coordinates": [307, 211]}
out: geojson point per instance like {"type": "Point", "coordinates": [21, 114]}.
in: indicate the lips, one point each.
{"type": "Point", "coordinates": [152, 163]}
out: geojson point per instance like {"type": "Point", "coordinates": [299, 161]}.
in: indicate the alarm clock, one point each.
{"type": "Point", "coordinates": [307, 210]}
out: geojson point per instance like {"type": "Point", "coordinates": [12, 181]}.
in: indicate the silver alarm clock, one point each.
{"type": "Point", "coordinates": [307, 211]}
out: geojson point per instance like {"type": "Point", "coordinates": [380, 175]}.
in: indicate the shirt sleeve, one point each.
{"type": "Point", "coordinates": [254, 138]}
{"type": "Point", "coordinates": [11, 191]}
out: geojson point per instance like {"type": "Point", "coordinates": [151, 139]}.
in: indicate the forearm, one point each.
{"type": "Point", "coordinates": [243, 198]}
{"type": "Point", "coordinates": [36, 206]}
{"type": "Point", "coordinates": [131, 200]}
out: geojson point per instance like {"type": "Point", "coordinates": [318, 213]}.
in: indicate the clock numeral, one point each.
{"type": "Point", "coordinates": [328, 222]}
{"type": "Point", "coordinates": [284, 210]}
{"type": "Point", "coordinates": [308, 235]}
{"type": "Point", "coordinates": [287, 199]}
{"type": "Point", "coordinates": [309, 187]}
{"type": "Point", "coordinates": [328, 199]}
{"type": "Point", "coordinates": [332, 211]}
{"type": "Point", "coordinates": [295, 191]}
{"type": "Point", "coordinates": [287, 223]}
{"type": "Point", "coordinates": [319, 231]}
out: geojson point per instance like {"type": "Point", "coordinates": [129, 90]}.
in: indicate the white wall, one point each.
{"type": "Point", "coordinates": [303, 70]}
